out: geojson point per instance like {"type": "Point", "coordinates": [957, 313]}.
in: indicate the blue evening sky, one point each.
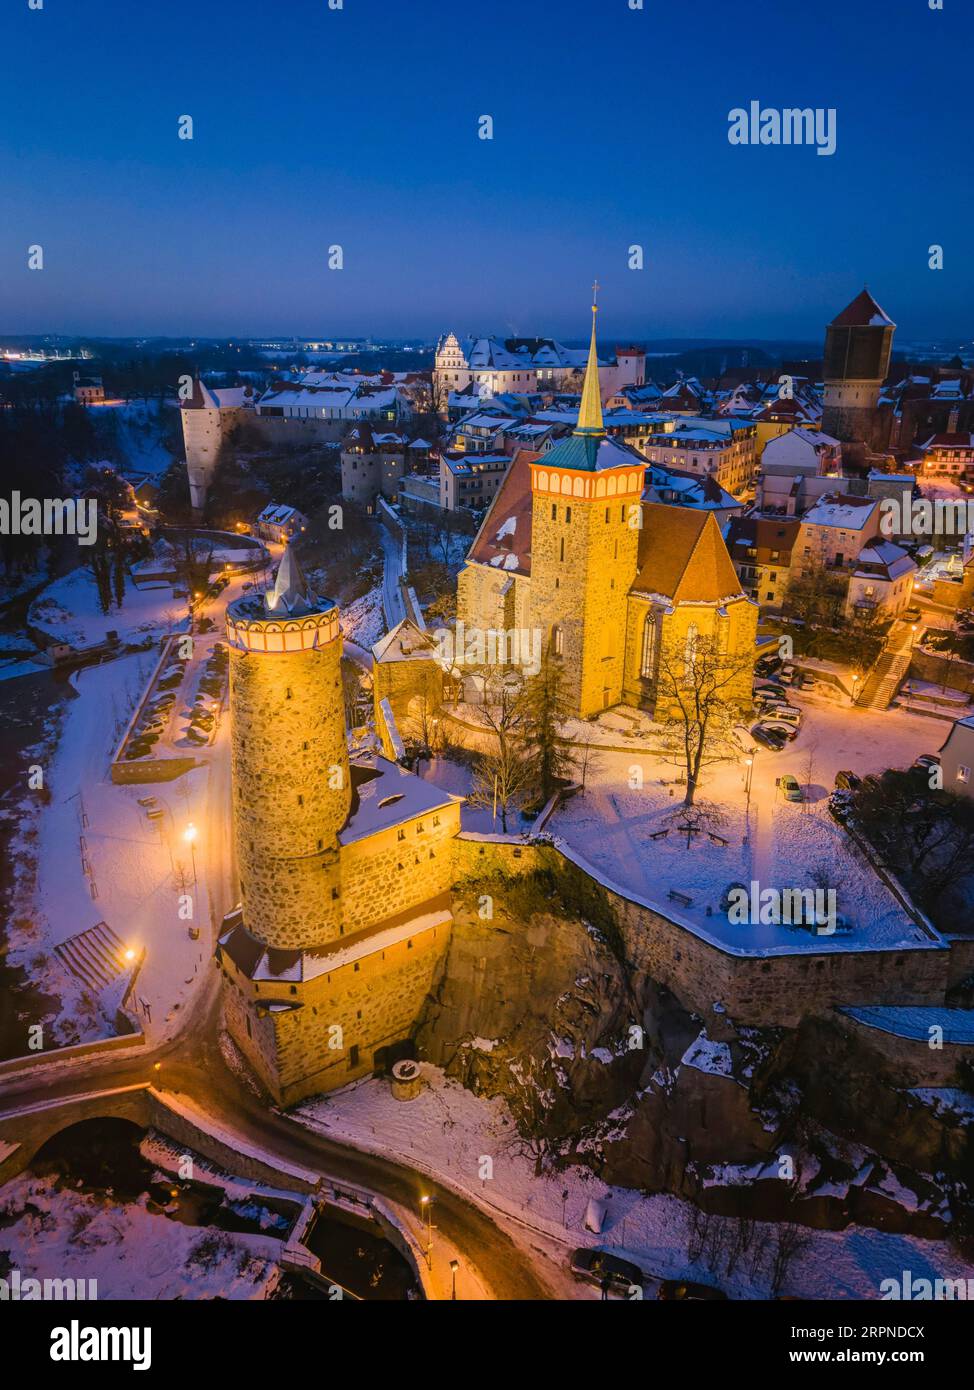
{"type": "Point", "coordinates": [359, 127]}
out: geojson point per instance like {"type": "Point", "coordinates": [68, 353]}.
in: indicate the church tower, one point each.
{"type": "Point", "coordinates": [290, 772]}
{"type": "Point", "coordinates": [586, 516]}
{"type": "Point", "coordinates": [858, 344]}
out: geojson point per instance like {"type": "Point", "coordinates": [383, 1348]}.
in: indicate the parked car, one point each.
{"type": "Point", "coordinates": [766, 665]}
{"type": "Point", "coordinates": [912, 614]}
{"type": "Point", "coordinates": [769, 738]}
{"type": "Point", "coordinates": [786, 712]}
{"type": "Point", "coordinates": [598, 1267]}
{"type": "Point", "coordinates": [780, 726]}
{"type": "Point", "coordinates": [765, 687]}
{"type": "Point", "coordinates": [681, 1290]}
{"type": "Point", "coordinates": [767, 700]}
{"type": "Point", "coordinates": [846, 781]}
{"type": "Point", "coordinates": [789, 676]}
{"type": "Point", "coordinates": [790, 787]}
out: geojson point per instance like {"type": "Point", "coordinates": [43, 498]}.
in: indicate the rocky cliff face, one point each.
{"type": "Point", "coordinates": [535, 1006]}
{"type": "Point", "coordinates": [601, 1064]}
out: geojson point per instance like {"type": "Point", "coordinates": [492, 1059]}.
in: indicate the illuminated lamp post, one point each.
{"type": "Point", "coordinates": [189, 835]}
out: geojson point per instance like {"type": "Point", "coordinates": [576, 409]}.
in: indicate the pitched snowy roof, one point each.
{"type": "Point", "coordinates": [405, 642]}
{"type": "Point", "coordinates": [385, 794]}
{"type": "Point", "coordinates": [885, 560]}
{"type": "Point", "coordinates": [842, 510]}
{"type": "Point", "coordinates": [504, 538]}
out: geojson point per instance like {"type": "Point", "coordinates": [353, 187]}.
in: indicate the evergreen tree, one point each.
{"type": "Point", "coordinates": [546, 707]}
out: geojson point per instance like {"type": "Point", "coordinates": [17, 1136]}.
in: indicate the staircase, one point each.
{"type": "Point", "coordinates": [884, 680]}
{"type": "Point", "coordinates": [96, 956]}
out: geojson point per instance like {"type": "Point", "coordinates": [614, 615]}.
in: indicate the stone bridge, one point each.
{"type": "Point", "coordinates": [26, 1128]}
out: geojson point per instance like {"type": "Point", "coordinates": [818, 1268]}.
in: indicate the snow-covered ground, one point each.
{"type": "Point", "coordinates": [362, 620]}
{"type": "Point", "coordinates": [54, 1233]}
{"type": "Point", "coordinates": [135, 430]}
{"type": "Point", "coordinates": [69, 611]}
{"type": "Point", "coordinates": [97, 857]}
{"type": "Point", "coordinates": [775, 843]}
{"type": "Point", "coordinates": [449, 1132]}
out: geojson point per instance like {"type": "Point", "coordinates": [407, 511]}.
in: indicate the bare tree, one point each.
{"type": "Point", "coordinates": [698, 694]}
{"type": "Point", "coordinates": [790, 1240]}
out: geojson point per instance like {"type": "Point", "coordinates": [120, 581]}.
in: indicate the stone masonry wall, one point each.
{"type": "Point", "coordinates": [384, 875]}
{"type": "Point", "coordinates": [375, 1001]}
{"type": "Point", "coordinates": [761, 991]}
{"type": "Point", "coordinates": [584, 593]}
{"type": "Point", "coordinates": [288, 739]}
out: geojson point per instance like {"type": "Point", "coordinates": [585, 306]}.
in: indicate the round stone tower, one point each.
{"type": "Point", "coordinates": [291, 782]}
{"type": "Point", "coordinates": [858, 344]}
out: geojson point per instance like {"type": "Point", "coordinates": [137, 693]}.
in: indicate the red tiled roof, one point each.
{"type": "Point", "coordinates": [682, 556]}
{"type": "Point", "coordinates": [862, 312]}
{"type": "Point", "coordinates": [512, 503]}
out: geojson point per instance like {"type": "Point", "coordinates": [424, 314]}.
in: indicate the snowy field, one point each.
{"type": "Point", "coordinates": [50, 1232]}
{"type": "Point", "coordinates": [69, 611]}
{"type": "Point", "coordinates": [448, 1132]}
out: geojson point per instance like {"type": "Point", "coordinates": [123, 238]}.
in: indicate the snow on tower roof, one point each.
{"type": "Point", "coordinates": [291, 590]}
{"type": "Point", "coordinates": [863, 312]}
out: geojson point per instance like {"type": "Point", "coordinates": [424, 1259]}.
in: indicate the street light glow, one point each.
{"type": "Point", "coordinates": [190, 833]}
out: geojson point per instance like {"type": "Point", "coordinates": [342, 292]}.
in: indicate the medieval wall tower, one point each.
{"type": "Point", "coordinates": [345, 865]}
{"type": "Point", "coordinates": [586, 515]}
{"type": "Point", "coordinates": [858, 344]}
{"type": "Point", "coordinates": [291, 781]}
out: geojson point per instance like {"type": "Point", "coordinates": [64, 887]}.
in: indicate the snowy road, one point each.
{"type": "Point", "coordinates": [392, 600]}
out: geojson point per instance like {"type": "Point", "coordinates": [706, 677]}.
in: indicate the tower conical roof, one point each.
{"type": "Point", "coordinates": [291, 589]}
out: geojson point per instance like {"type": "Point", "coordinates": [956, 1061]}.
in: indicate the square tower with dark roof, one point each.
{"type": "Point", "coordinates": [586, 513]}
{"type": "Point", "coordinates": [858, 345]}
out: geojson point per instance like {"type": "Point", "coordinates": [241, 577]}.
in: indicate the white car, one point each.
{"type": "Point", "coordinates": [785, 712]}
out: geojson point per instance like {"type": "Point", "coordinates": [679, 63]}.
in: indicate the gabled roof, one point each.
{"type": "Point", "coordinates": [405, 643]}
{"type": "Point", "coordinates": [863, 312]}
{"type": "Point", "coordinates": [682, 557]}
{"type": "Point", "coordinates": [504, 538]}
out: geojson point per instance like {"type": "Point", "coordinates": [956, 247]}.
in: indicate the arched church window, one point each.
{"type": "Point", "coordinates": [647, 667]}
{"type": "Point", "coordinates": [558, 640]}
{"type": "Point", "coordinates": [690, 650]}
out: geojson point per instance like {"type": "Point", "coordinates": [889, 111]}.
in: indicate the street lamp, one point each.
{"type": "Point", "coordinates": [855, 687]}
{"type": "Point", "coordinates": [749, 765]}
{"type": "Point", "coordinates": [427, 1203]}
{"type": "Point", "coordinates": [454, 1266]}
{"type": "Point", "coordinates": [189, 835]}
